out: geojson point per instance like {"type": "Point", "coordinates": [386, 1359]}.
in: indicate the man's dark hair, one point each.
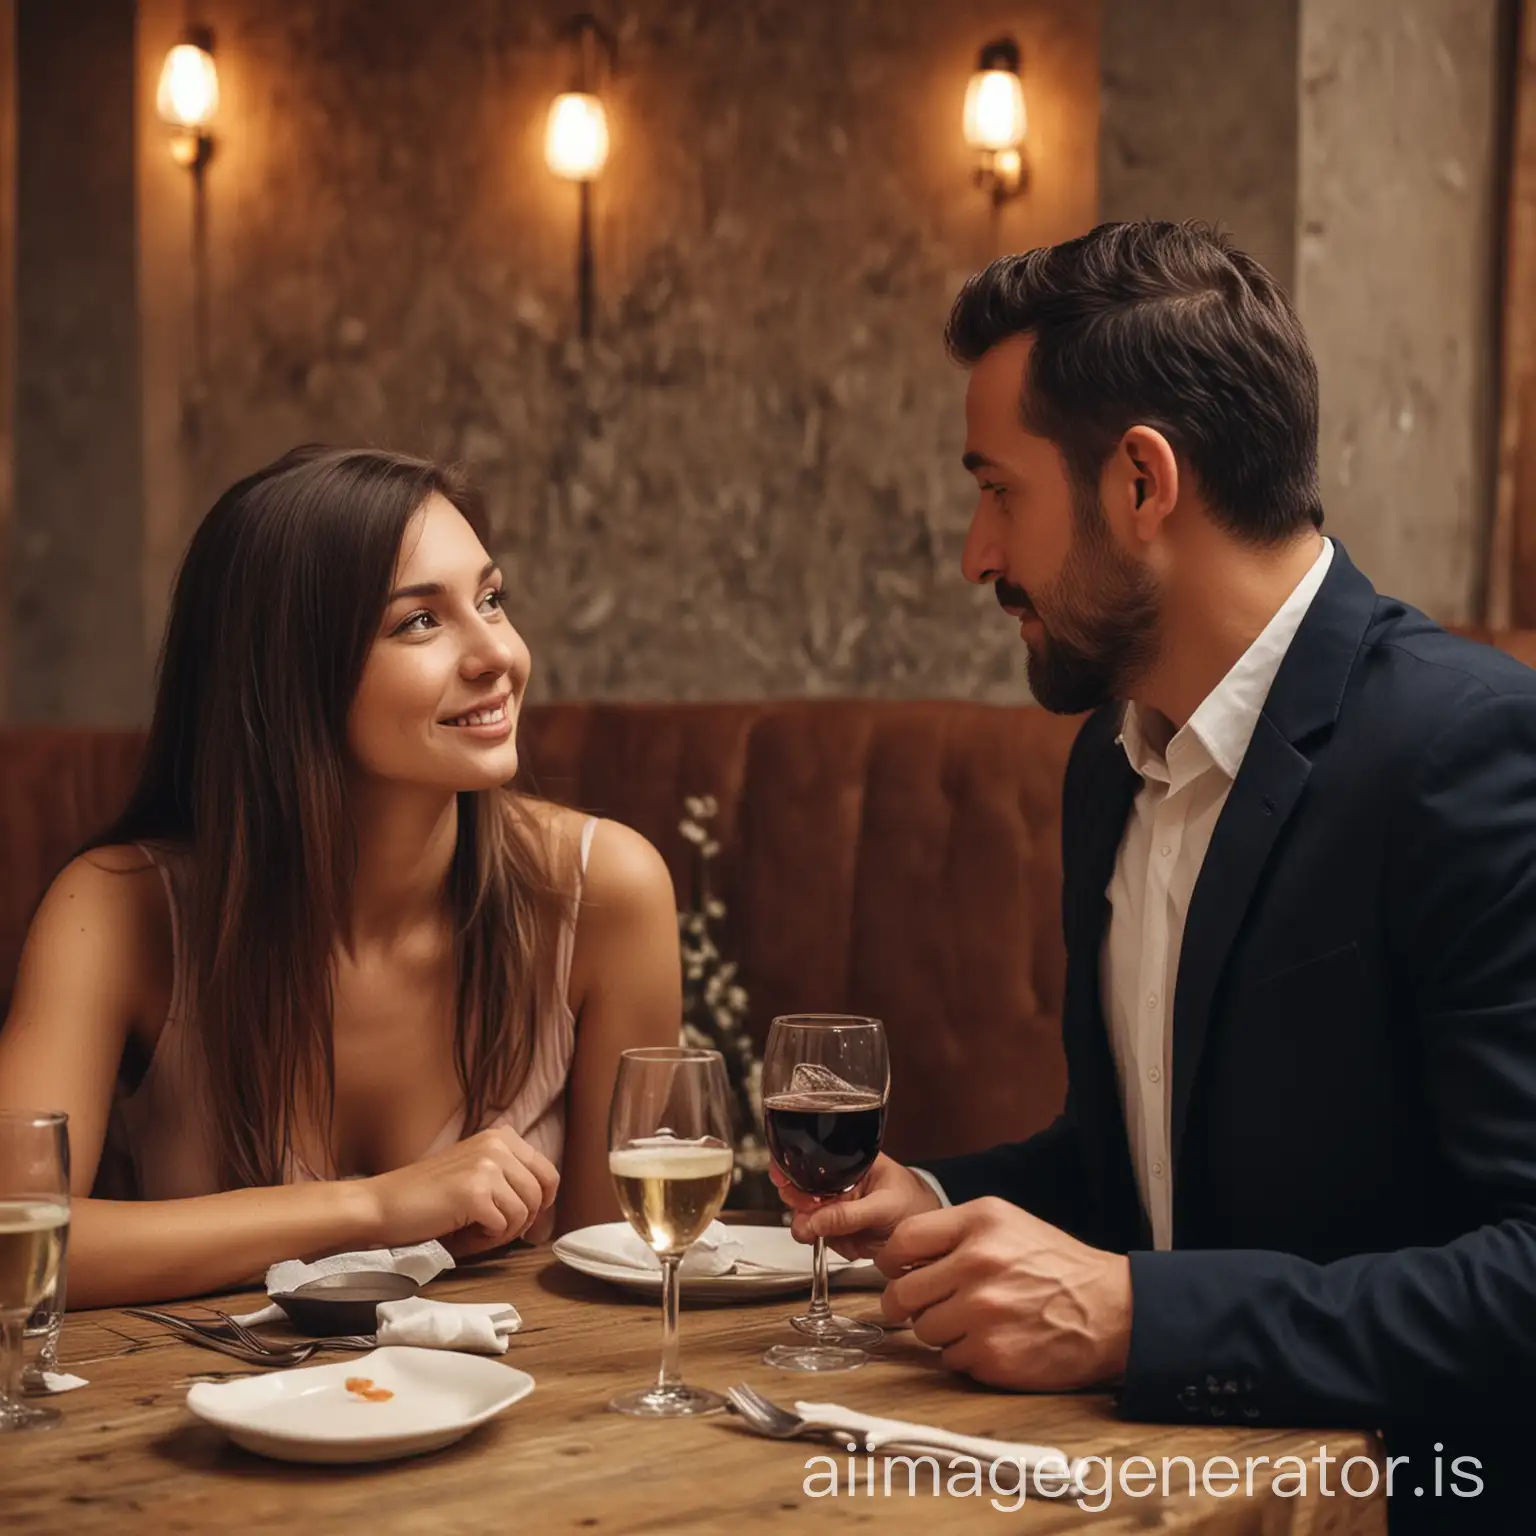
{"type": "Point", "coordinates": [1168, 326]}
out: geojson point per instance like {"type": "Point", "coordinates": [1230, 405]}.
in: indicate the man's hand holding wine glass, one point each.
{"type": "Point", "coordinates": [1009, 1299]}
{"type": "Point", "coordinates": [857, 1224]}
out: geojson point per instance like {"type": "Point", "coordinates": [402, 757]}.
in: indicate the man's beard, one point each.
{"type": "Point", "coordinates": [1100, 622]}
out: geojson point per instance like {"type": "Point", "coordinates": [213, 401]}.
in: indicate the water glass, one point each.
{"type": "Point", "coordinates": [34, 1228]}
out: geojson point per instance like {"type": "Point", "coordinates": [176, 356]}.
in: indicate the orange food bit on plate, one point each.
{"type": "Point", "coordinates": [363, 1387]}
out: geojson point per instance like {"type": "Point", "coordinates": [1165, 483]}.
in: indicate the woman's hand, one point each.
{"type": "Point", "coordinates": [478, 1194]}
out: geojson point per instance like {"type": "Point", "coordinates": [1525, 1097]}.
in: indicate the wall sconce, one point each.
{"type": "Point", "coordinates": [995, 120]}
{"type": "Point", "coordinates": [188, 98]}
{"type": "Point", "coordinates": [576, 143]}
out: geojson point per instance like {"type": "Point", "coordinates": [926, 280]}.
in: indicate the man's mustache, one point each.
{"type": "Point", "coordinates": [1010, 596]}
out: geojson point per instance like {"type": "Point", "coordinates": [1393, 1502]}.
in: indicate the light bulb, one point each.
{"type": "Point", "coordinates": [188, 95]}
{"type": "Point", "coordinates": [576, 139]}
{"type": "Point", "coordinates": [994, 110]}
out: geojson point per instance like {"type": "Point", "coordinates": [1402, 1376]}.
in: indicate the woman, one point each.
{"type": "Point", "coordinates": [327, 983]}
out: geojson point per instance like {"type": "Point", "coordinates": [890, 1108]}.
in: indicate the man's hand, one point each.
{"type": "Point", "coordinates": [1008, 1298]}
{"type": "Point", "coordinates": [858, 1223]}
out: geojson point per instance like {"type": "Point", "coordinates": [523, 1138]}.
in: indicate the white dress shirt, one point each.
{"type": "Point", "coordinates": [1186, 776]}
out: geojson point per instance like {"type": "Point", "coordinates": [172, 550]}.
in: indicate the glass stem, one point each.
{"type": "Point", "coordinates": [670, 1376]}
{"type": "Point", "coordinates": [10, 1361]}
{"type": "Point", "coordinates": [820, 1306]}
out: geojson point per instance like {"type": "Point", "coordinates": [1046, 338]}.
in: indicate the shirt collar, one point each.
{"type": "Point", "coordinates": [1219, 731]}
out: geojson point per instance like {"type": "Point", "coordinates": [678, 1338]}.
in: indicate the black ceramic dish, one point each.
{"type": "Point", "coordinates": [338, 1304]}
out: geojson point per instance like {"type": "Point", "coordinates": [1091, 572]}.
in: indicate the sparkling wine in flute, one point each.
{"type": "Point", "coordinates": [825, 1140]}
{"type": "Point", "coordinates": [671, 1190]}
{"type": "Point", "coordinates": [32, 1234]}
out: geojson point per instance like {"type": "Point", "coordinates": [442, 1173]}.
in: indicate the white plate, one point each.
{"type": "Point", "coordinates": [309, 1415]}
{"type": "Point", "coordinates": [789, 1261]}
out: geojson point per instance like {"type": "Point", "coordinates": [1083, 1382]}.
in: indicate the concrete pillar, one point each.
{"type": "Point", "coordinates": [1352, 146]}
{"type": "Point", "coordinates": [77, 650]}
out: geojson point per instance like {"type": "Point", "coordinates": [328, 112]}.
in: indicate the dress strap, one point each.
{"type": "Point", "coordinates": [163, 863]}
{"type": "Point", "coordinates": [588, 831]}
{"type": "Point", "coordinates": [566, 950]}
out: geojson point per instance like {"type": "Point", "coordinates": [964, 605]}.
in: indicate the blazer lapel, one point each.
{"type": "Point", "coordinates": [1262, 799]}
{"type": "Point", "coordinates": [1305, 699]}
{"type": "Point", "coordinates": [1107, 795]}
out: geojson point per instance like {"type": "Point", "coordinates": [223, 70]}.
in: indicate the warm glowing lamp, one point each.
{"type": "Point", "coordinates": [576, 138]}
{"type": "Point", "coordinates": [995, 119]}
{"type": "Point", "coordinates": [188, 98]}
{"type": "Point", "coordinates": [576, 143]}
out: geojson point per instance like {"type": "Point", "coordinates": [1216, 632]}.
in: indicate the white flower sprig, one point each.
{"type": "Point", "coordinates": [714, 1003]}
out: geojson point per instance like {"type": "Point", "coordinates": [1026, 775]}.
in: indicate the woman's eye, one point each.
{"type": "Point", "coordinates": [496, 598]}
{"type": "Point", "coordinates": [416, 624]}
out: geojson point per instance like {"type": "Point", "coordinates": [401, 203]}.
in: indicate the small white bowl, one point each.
{"type": "Point", "coordinates": [309, 1414]}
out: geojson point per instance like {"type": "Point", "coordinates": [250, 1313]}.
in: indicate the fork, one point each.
{"type": "Point", "coordinates": [253, 1340]}
{"type": "Point", "coordinates": [765, 1418]}
{"type": "Point", "coordinates": [778, 1423]}
{"type": "Point", "coordinates": [206, 1335]}
{"type": "Point", "coordinates": [241, 1343]}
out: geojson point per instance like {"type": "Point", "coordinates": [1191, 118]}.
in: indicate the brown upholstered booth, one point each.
{"type": "Point", "coordinates": [900, 859]}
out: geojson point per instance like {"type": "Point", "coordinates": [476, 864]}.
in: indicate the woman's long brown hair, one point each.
{"type": "Point", "coordinates": [277, 602]}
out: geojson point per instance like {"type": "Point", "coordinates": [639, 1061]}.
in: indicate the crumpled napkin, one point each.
{"type": "Point", "coordinates": [477, 1327]}
{"type": "Point", "coordinates": [905, 1437]}
{"type": "Point", "coordinates": [53, 1381]}
{"type": "Point", "coordinates": [421, 1262]}
{"type": "Point", "coordinates": [616, 1242]}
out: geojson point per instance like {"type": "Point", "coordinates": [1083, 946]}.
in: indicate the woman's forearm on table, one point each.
{"type": "Point", "coordinates": [123, 1252]}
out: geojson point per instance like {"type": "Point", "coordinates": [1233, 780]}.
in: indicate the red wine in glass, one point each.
{"type": "Point", "coordinates": [826, 1077]}
{"type": "Point", "coordinates": [825, 1140]}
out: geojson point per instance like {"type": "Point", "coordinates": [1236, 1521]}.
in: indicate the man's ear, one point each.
{"type": "Point", "coordinates": [1144, 480]}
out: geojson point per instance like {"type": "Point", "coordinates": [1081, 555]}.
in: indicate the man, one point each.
{"type": "Point", "coordinates": [1295, 1177]}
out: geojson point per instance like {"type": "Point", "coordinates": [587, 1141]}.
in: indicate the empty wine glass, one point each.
{"type": "Point", "coordinates": [34, 1222]}
{"type": "Point", "coordinates": [669, 1151]}
{"type": "Point", "coordinates": [826, 1078]}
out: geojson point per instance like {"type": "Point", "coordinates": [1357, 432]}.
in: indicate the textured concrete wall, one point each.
{"type": "Point", "coordinates": [1351, 145]}
{"type": "Point", "coordinates": [1395, 284]}
{"type": "Point", "coordinates": [1200, 118]}
{"type": "Point", "coordinates": [749, 483]}
{"type": "Point", "coordinates": [7, 327]}
{"type": "Point", "coordinates": [77, 649]}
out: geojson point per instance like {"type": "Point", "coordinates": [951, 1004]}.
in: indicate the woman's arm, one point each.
{"type": "Point", "coordinates": [626, 990]}
{"type": "Point", "coordinates": [94, 964]}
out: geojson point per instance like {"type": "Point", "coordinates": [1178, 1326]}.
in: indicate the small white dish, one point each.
{"type": "Point", "coordinates": [310, 1414]}
{"type": "Point", "coordinates": [771, 1263]}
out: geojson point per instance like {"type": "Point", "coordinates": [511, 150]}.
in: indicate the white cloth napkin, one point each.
{"type": "Point", "coordinates": [1061, 1475]}
{"type": "Point", "coordinates": [58, 1381]}
{"type": "Point", "coordinates": [421, 1262]}
{"type": "Point", "coordinates": [616, 1242]}
{"type": "Point", "coordinates": [477, 1327]}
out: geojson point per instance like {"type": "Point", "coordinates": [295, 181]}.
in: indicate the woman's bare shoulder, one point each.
{"type": "Point", "coordinates": [107, 908]}
{"type": "Point", "coordinates": [115, 859]}
{"type": "Point", "coordinates": [560, 826]}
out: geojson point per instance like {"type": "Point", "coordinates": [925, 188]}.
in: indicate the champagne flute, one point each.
{"type": "Point", "coordinates": [669, 1151]}
{"type": "Point", "coordinates": [826, 1078]}
{"type": "Point", "coordinates": [34, 1222]}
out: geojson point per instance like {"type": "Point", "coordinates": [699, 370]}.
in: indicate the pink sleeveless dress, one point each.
{"type": "Point", "coordinates": [159, 1142]}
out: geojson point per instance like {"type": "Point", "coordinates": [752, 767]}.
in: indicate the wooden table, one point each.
{"type": "Point", "coordinates": [130, 1457]}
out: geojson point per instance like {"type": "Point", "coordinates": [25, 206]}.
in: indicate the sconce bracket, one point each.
{"type": "Point", "coordinates": [1001, 54]}
{"type": "Point", "coordinates": [596, 50]}
{"type": "Point", "coordinates": [1005, 181]}
{"type": "Point", "coordinates": [192, 149]}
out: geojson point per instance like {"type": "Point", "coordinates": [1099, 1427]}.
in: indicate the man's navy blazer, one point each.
{"type": "Point", "coordinates": [1354, 1058]}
